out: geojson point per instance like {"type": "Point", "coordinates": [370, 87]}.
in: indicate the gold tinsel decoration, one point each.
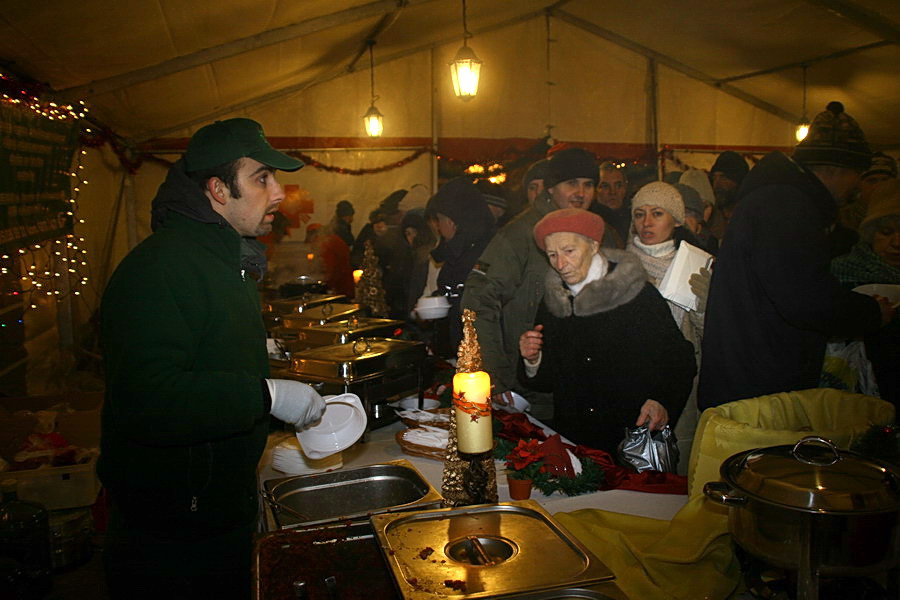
{"type": "Point", "coordinates": [468, 355]}
{"type": "Point", "coordinates": [370, 289]}
{"type": "Point", "coordinates": [467, 479]}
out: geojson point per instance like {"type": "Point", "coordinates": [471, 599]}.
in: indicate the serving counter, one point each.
{"type": "Point", "coordinates": [381, 447]}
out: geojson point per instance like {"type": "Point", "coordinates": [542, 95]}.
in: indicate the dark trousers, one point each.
{"type": "Point", "coordinates": [140, 563]}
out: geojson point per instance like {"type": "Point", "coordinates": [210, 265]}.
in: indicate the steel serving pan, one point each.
{"type": "Point", "coordinates": [342, 332]}
{"type": "Point", "coordinates": [298, 304]}
{"type": "Point", "coordinates": [349, 494]}
{"type": "Point", "coordinates": [319, 315]}
{"type": "Point", "coordinates": [362, 359]}
{"type": "Point", "coordinates": [484, 551]}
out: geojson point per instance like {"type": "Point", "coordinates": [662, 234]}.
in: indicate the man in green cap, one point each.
{"type": "Point", "coordinates": [188, 394]}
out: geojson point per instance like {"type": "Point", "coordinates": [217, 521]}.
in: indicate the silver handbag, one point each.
{"type": "Point", "coordinates": [643, 450]}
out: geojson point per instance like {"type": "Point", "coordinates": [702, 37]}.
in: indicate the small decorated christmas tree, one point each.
{"type": "Point", "coordinates": [370, 289]}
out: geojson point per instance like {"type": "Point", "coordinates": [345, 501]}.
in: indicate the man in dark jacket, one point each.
{"type": "Point", "coordinates": [772, 302]}
{"type": "Point", "coordinates": [188, 398]}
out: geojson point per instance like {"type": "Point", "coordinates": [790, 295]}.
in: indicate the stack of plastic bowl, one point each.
{"type": "Point", "coordinates": [432, 307]}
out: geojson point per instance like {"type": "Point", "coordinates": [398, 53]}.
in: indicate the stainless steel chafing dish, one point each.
{"type": "Point", "coordinates": [339, 332]}
{"type": "Point", "coordinates": [349, 494]}
{"type": "Point", "coordinates": [319, 315]}
{"type": "Point", "coordinates": [505, 550]}
{"type": "Point", "coordinates": [299, 304]}
{"type": "Point", "coordinates": [362, 359]}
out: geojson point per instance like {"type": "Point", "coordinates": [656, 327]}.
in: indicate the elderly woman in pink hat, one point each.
{"type": "Point", "coordinates": [604, 341]}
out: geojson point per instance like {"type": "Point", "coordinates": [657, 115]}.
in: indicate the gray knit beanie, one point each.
{"type": "Point", "coordinates": [662, 195]}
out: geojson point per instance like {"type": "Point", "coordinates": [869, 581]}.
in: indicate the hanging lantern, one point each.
{"type": "Point", "coordinates": [803, 126]}
{"type": "Point", "coordinates": [374, 121]}
{"type": "Point", "coordinates": [465, 68]}
{"type": "Point", "coordinates": [802, 130]}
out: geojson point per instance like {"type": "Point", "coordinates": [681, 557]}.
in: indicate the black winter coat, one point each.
{"type": "Point", "coordinates": [609, 349]}
{"type": "Point", "coordinates": [773, 302]}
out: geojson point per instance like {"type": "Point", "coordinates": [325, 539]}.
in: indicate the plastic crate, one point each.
{"type": "Point", "coordinates": [58, 487]}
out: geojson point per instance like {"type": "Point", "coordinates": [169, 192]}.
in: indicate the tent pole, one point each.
{"type": "Point", "coordinates": [434, 123]}
{"type": "Point", "coordinates": [653, 113]}
{"type": "Point", "coordinates": [130, 209]}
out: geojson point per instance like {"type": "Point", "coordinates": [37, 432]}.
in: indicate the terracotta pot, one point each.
{"type": "Point", "coordinates": [519, 489]}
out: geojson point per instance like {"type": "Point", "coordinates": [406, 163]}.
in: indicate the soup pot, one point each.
{"type": "Point", "coordinates": [813, 508]}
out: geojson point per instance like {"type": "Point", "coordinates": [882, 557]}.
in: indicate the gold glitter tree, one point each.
{"type": "Point", "coordinates": [468, 478]}
{"type": "Point", "coordinates": [370, 289]}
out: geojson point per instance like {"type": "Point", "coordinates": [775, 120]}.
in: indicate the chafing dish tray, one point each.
{"type": "Point", "coordinates": [319, 315]}
{"type": "Point", "coordinates": [348, 494]}
{"type": "Point", "coordinates": [299, 304]}
{"type": "Point", "coordinates": [348, 553]}
{"type": "Point", "coordinates": [362, 359]}
{"type": "Point", "coordinates": [483, 551]}
{"type": "Point", "coordinates": [342, 332]}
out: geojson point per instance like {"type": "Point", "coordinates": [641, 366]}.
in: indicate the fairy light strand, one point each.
{"type": "Point", "coordinates": [57, 267]}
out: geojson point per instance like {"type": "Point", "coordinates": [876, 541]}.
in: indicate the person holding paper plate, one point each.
{"type": "Point", "coordinates": [873, 267]}
{"type": "Point", "coordinates": [657, 228]}
{"type": "Point", "coordinates": [604, 341]}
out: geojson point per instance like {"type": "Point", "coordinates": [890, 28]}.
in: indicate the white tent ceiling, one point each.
{"type": "Point", "coordinates": [152, 69]}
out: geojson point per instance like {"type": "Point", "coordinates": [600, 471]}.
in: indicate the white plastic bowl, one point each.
{"type": "Point", "coordinates": [411, 402]}
{"type": "Point", "coordinates": [429, 314]}
{"type": "Point", "coordinates": [343, 423]}
{"type": "Point", "coordinates": [433, 302]}
{"type": "Point", "coordinates": [888, 290]}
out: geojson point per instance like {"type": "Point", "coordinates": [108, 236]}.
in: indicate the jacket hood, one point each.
{"type": "Point", "coordinates": [776, 168]}
{"type": "Point", "coordinates": [178, 193]}
{"type": "Point", "coordinates": [622, 283]}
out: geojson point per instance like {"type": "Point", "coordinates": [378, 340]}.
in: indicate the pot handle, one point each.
{"type": "Point", "coordinates": [720, 492]}
{"type": "Point", "coordinates": [810, 461]}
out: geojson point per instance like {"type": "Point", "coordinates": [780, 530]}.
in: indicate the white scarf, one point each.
{"type": "Point", "coordinates": [599, 267]}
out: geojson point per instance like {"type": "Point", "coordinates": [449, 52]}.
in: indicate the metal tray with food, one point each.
{"type": "Point", "coordinates": [362, 359]}
{"type": "Point", "coordinates": [319, 315]}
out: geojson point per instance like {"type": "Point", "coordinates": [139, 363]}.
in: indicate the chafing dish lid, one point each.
{"type": "Point", "coordinates": [359, 350]}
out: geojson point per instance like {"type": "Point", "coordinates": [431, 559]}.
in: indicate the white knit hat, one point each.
{"type": "Point", "coordinates": [662, 195]}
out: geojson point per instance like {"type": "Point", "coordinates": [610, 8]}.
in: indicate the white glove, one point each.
{"type": "Point", "coordinates": [294, 402]}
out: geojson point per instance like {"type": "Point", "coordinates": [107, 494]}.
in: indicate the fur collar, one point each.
{"type": "Point", "coordinates": [620, 286]}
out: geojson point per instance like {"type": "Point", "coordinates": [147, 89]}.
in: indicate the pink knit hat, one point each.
{"type": "Point", "coordinates": [573, 220]}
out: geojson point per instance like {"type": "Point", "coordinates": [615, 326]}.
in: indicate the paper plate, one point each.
{"type": "Point", "coordinates": [288, 457]}
{"type": "Point", "coordinates": [343, 423]}
{"type": "Point", "coordinates": [889, 291]}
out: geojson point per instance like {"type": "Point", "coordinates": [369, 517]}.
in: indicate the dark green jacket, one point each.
{"type": "Point", "coordinates": [185, 418]}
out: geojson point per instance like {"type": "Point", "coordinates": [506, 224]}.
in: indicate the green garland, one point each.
{"type": "Point", "coordinates": [589, 480]}
{"type": "Point", "coordinates": [880, 442]}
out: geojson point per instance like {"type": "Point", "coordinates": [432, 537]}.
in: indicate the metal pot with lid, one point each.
{"type": "Point", "coordinates": [814, 508]}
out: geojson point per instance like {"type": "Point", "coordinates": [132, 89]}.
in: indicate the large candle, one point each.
{"type": "Point", "coordinates": [472, 403]}
{"type": "Point", "coordinates": [357, 275]}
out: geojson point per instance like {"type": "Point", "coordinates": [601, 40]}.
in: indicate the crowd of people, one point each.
{"type": "Point", "coordinates": [568, 293]}
{"type": "Point", "coordinates": [787, 240]}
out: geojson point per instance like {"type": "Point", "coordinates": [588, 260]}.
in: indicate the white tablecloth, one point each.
{"type": "Point", "coordinates": [380, 446]}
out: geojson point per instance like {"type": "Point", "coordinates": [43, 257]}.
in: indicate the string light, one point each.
{"type": "Point", "coordinates": [48, 281]}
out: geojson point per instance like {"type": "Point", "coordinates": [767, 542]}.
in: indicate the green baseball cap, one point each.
{"type": "Point", "coordinates": [223, 141]}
